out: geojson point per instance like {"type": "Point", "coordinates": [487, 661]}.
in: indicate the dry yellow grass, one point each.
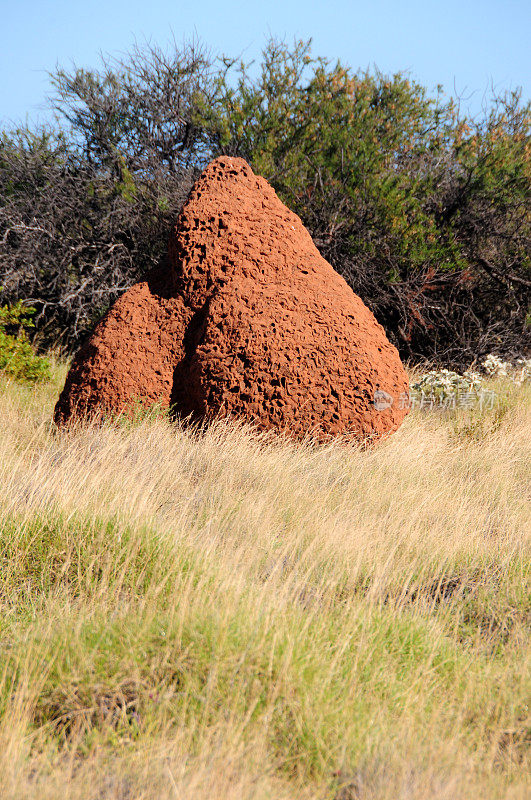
{"type": "Point", "coordinates": [226, 615]}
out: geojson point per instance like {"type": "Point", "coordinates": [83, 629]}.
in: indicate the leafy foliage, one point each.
{"type": "Point", "coordinates": [17, 357]}
{"type": "Point", "coordinates": [424, 212]}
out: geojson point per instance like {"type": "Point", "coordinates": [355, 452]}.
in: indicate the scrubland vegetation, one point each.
{"type": "Point", "coordinates": [423, 208]}
{"type": "Point", "coordinates": [219, 614]}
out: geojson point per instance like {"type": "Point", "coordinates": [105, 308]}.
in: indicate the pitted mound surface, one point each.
{"type": "Point", "coordinates": [247, 319]}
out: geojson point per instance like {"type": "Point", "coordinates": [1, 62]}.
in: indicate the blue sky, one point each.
{"type": "Point", "coordinates": [468, 44]}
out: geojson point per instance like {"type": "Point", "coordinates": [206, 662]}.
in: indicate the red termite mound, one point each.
{"type": "Point", "coordinates": [246, 319]}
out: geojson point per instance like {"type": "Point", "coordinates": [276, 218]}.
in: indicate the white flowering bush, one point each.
{"type": "Point", "coordinates": [444, 387]}
{"type": "Point", "coordinates": [495, 367]}
{"type": "Point", "coordinates": [519, 372]}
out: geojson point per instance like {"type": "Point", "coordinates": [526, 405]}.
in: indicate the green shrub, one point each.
{"type": "Point", "coordinates": [17, 357]}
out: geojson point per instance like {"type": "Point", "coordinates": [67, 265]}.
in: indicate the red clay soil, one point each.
{"type": "Point", "coordinates": [245, 319]}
